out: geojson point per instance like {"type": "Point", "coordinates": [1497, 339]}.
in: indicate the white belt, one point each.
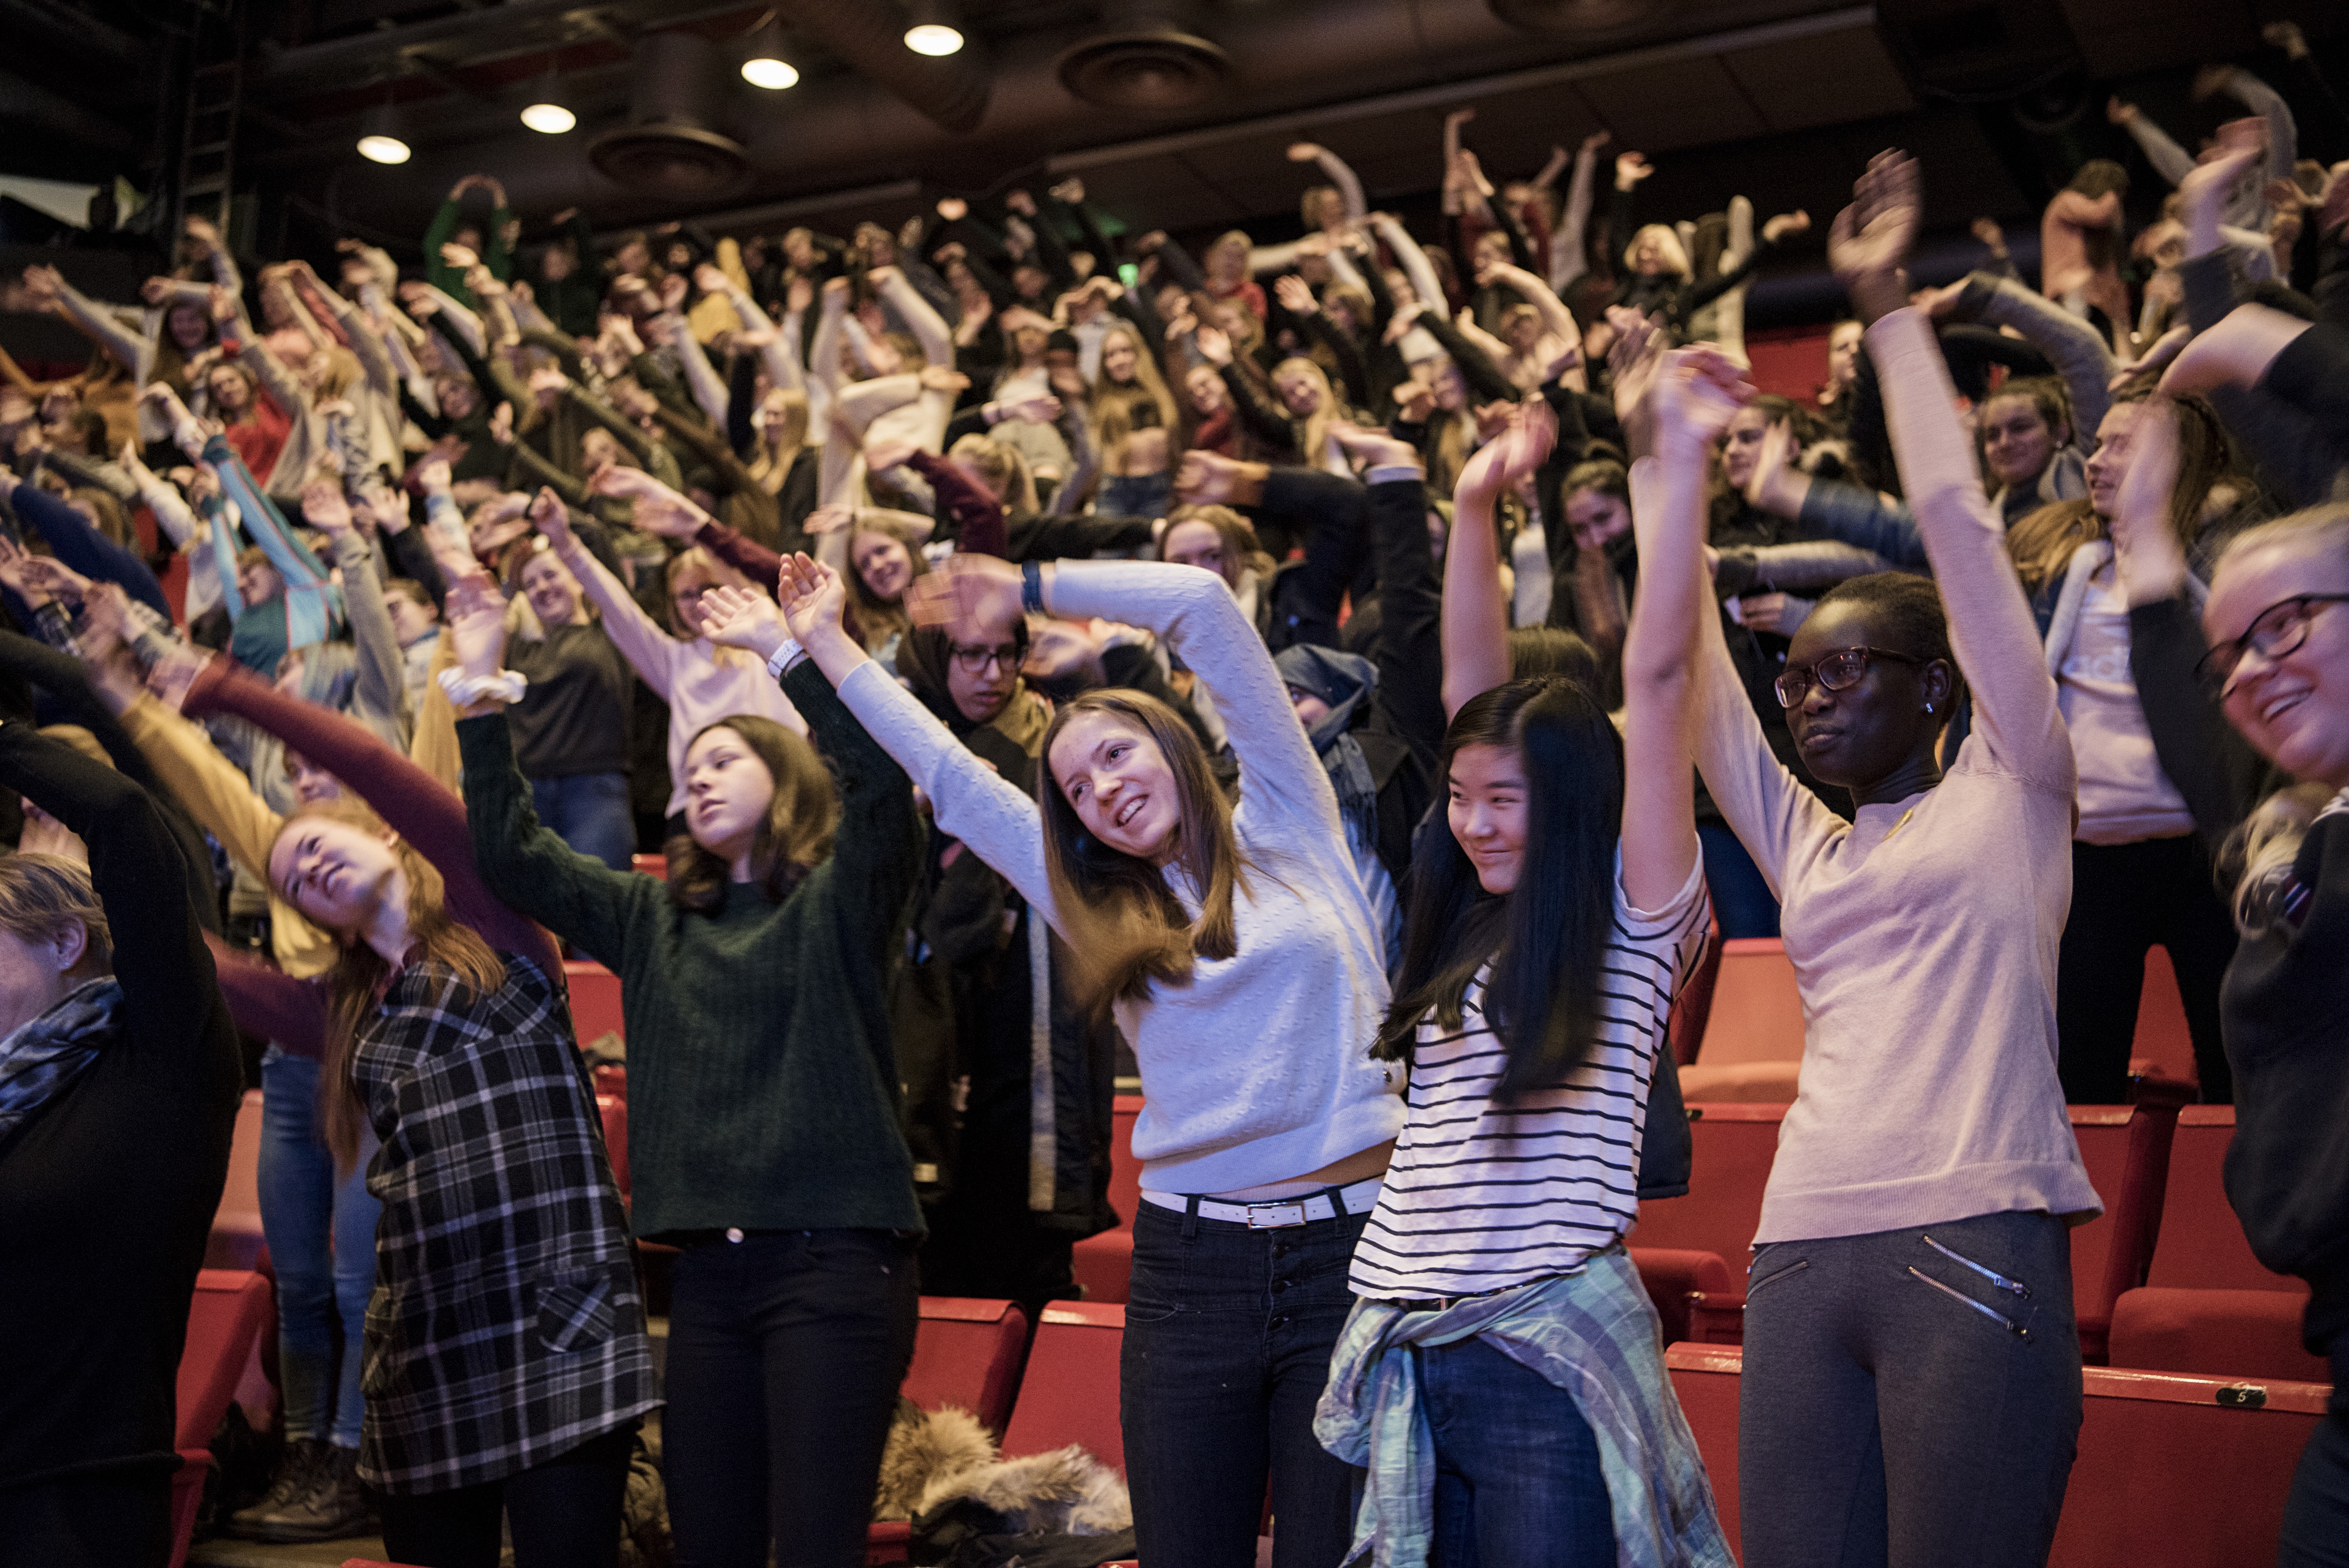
{"type": "Point", "coordinates": [1359, 1199]}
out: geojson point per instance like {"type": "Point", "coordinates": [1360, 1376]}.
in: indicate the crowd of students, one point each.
{"type": "Point", "coordinates": [1355, 675]}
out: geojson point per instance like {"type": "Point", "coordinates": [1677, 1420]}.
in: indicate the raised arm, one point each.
{"type": "Point", "coordinates": [80, 546]}
{"type": "Point", "coordinates": [382, 685]}
{"type": "Point", "coordinates": [1414, 263]}
{"type": "Point", "coordinates": [1991, 625]}
{"type": "Point", "coordinates": [650, 651]}
{"type": "Point", "coordinates": [2076, 350]}
{"type": "Point", "coordinates": [1476, 610]}
{"type": "Point", "coordinates": [97, 320]}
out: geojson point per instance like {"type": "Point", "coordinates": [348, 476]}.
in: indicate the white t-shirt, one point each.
{"type": "Point", "coordinates": [2124, 797]}
{"type": "Point", "coordinates": [1483, 1196]}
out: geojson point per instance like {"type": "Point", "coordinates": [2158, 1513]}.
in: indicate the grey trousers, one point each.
{"type": "Point", "coordinates": [1910, 1398]}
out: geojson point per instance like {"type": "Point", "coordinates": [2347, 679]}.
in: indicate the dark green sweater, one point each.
{"type": "Point", "coordinates": [762, 1080]}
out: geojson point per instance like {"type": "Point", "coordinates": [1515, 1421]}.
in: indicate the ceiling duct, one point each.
{"type": "Point", "coordinates": [674, 143]}
{"type": "Point", "coordinates": [1582, 18]}
{"type": "Point", "coordinates": [1144, 62]}
{"type": "Point", "coordinates": [870, 34]}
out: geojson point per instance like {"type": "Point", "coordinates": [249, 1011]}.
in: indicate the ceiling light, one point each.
{"type": "Point", "coordinates": [764, 66]}
{"type": "Point", "coordinates": [547, 113]}
{"type": "Point", "coordinates": [929, 30]}
{"type": "Point", "coordinates": [379, 138]}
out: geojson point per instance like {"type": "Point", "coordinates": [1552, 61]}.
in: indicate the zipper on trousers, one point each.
{"type": "Point", "coordinates": [1991, 1313]}
{"type": "Point", "coordinates": [2017, 1286]}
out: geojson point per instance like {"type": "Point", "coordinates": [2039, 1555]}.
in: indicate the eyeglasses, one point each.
{"type": "Point", "coordinates": [2275, 631]}
{"type": "Point", "coordinates": [977, 661]}
{"type": "Point", "coordinates": [1839, 671]}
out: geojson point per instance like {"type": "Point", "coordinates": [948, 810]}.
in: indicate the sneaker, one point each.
{"type": "Point", "coordinates": [296, 1472]}
{"type": "Point", "coordinates": [332, 1506]}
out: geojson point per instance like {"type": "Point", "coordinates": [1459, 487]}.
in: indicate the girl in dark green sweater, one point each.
{"type": "Point", "coordinates": [763, 1118]}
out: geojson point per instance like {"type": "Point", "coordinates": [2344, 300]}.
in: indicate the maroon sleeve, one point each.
{"type": "Point", "coordinates": [748, 556]}
{"type": "Point", "coordinates": [270, 1004]}
{"type": "Point", "coordinates": [980, 527]}
{"type": "Point", "coordinates": [412, 803]}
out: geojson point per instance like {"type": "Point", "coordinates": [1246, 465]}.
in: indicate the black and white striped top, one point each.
{"type": "Point", "coordinates": [1482, 1196]}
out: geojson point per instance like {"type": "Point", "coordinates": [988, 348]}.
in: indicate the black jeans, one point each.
{"type": "Point", "coordinates": [566, 1513]}
{"type": "Point", "coordinates": [785, 1351]}
{"type": "Point", "coordinates": [2126, 898]}
{"type": "Point", "coordinates": [1228, 1332]}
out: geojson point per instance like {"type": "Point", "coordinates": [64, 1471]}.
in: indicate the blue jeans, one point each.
{"type": "Point", "coordinates": [1228, 1333]}
{"type": "Point", "coordinates": [1741, 899]}
{"type": "Point", "coordinates": [1135, 495]}
{"type": "Point", "coordinates": [589, 811]}
{"type": "Point", "coordinates": [1517, 1479]}
{"type": "Point", "coordinates": [305, 1214]}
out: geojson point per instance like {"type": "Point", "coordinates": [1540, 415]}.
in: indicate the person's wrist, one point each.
{"type": "Point", "coordinates": [1877, 294]}
{"type": "Point", "coordinates": [1248, 483]}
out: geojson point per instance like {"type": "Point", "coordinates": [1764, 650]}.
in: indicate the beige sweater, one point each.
{"type": "Point", "coordinates": [1923, 935]}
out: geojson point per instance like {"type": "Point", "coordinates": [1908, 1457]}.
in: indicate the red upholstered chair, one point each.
{"type": "Point", "coordinates": [594, 1000]}
{"type": "Point", "coordinates": [2201, 1245]}
{"type": "Point", "coordinates": [1692, 1008]}
{"type": "Point", "coordinates": [653, 865]}
{"type": "Point", "coordinates": [1104, 1262]}
{"type": "Point", "coordinates": [2215, 1334]}
{"type": "Point", "coordinates": [967, 1353]}
{"type": "Point", "coordinates": [1753, 1048]}
{"type": "Point", "coordinates": [1731, 1146]}
{"type": "Point", "coordinates": [1705, 1379]}
{"type": "Point", "coordinates": [236, 1240]}
{"type": "Point", "coordinates": [2126, 1149]}
{"type": "Point", "coordinates": [2171, 1469]}
{"type": "Point", "coordinates": [231, 1311]}
{"type": "Point", "coordinates": [1069, 1393]}
{"type": "Point", "coordinates": [1690, 1290]}
{"type": "Point", "coordinates": [2163, 1051]}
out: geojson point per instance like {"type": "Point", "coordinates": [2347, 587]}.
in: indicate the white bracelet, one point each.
{"type": "Point", "coordinates": [782, 659]}
{"type": "Point", "coordinates": [464, 690]}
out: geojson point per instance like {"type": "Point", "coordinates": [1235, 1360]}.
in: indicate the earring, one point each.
{"type": "Point", "coordinates": [1928, 707]}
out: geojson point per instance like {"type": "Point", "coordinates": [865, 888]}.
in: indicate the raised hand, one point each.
{"type": "Point", "coordinates": [551, 517]}
{"type": "Point", "coordinates": [885, 452]}
{"type": "Point", "coordinates": [324, 506]}
{"type": "Point", "coordinates": [1795, 223]}
{"type": "Point", "coordinates": [812, 598]}
{"type": "Point", "coordinates": [953, 209]}
{"type": "Point", "coordinates": [1294, 294]}
{"type": "Point", "coordinates": [1213, 346]}
{"type": "Point", "coordinates": [2146, 555]}
{"type": "Point", "coordinates": [1630, 167]}
{"type": "Point", "coordinates": [1775, 486]}
{"type": "Point", "coordinates": [1206, 478]}
{"type": "Point", "coordinates": [1041, 409]}
{"type": "Point", "coordinates": [475, 614]}
{"type": "Point", "coordinates": [1307, 151]}
{"type": "Point", "coordinates": [941, 379]}
{"type": "Point", "coordinates": [977, 597]}
{"type": "Point", "coordinates": [1697, 392]}
{"type": "Point", "coordinates": [432, 476]}
{"type": "Point", "coordinates": [1511, 455]}
{"type": "Point", "coordinates": [742, 618]}
{"type": "Point", "coordinates": [832, 519]}
{"type": "Point", "coordinates": [170, 676]}
{"type": "Point", "coordinates": [1372, 447]}
{"type": "Point", "coordinates": [1870, 240]}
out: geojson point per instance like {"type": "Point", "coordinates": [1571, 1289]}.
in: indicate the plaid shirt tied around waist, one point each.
{"type": "Point", "coordinates": [505, 1326]}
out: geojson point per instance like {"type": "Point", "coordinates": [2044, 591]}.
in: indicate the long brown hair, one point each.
{"type": "Point", "coordinates": [2042, 542]}
{"type": "Point", "coordinates": [793, 838]}
{"type": "Point", "coordinates": [1125, 928]}
{"type": "Point", "coordinates": [354, 985]}
{"type": "Point", "coordinates": [879, 617]}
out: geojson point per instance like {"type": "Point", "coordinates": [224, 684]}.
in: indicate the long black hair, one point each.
{"type": "Point", "coordinates": [1547, 941]}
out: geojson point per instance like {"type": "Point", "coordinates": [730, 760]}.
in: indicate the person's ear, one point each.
{"type": "Point", "coordinates": [67, 945]}
{"type": "Point", "coordinates": [1940, 683]}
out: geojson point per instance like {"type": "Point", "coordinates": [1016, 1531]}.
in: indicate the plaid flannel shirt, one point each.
{"type": "Point", "coordinates": [505, 1326]}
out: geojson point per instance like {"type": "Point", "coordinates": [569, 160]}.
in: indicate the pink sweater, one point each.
{"type": "Point", "coordinates": [1922, 935]}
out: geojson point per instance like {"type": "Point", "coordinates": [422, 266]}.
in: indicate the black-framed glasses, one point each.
{"type": "Point", "coordinates": [2275, 631]}
{"type": "Point", "coordinates": [1838, 671]}
{"type": "Point", "coordinates": [975, 661]}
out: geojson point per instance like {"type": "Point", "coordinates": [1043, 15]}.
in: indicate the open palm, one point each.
{"type": "Point", "coordinates": [1875, 235]}
{"type": "Point", "coordinates": [476, 613]}
{"type": "Point", "coordinates": [813, 597]}
{"type": "Point", "coordinates": [741, 618]}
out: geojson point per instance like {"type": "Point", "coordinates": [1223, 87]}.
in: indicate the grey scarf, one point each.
{"type": "Point", "coordinates": [43, 1056]}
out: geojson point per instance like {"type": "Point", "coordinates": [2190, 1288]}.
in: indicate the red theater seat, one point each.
{"type": "Point", "coordinates": [594, 1001]}
{"type": "Point", "coordinates": [231, 1311]}
{"type": "Point", "coordinates": [1731, 1146]}
{"type": "Point", "coordinates": [2171, 1469]}
{"type": "Point", "coordinates": [1069, 1393]}
{"type": "Point", "coordinates": [1690, 1291]}
{"type": "Point", "coordinates": [653, 865]}
{"type": "Point", "coordinates": [967, 1353]}
{"type": "Point", "coordinates": [2126, 1149]}
{"type": "Point", "coordinates": [236, 1241]}
{"type": "Point", "coordinates": [2201, 1245]}
{"type": "Point", "coordinates": [2215, 1334]}
{"type": "Point", "coordinates": [614, 1109]}
{"type": "Point", "coordinates": [1104, 1263]}
{"type": "Point", "coordinates": [1753, 1048]}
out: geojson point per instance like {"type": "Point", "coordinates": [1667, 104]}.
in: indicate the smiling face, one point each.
{"type": "Point", "coordinates": [190, 327]}
{"type": "Point", "coordinates": [1117, 359]}
{"type": "Point", "coordinates": [1741, 444]}
{"type": "Point", "coordinates": [1113, 776]}
{"type": "Point", "coordinates": [553, 594]}
{"type": "Point", "coordinates": [728, 789]}
{"type": "Point", "coordinates": [598, 449]}
{"type": "Point", "coordinates": [1195, 544]}
{"type": "Point", "coordinates": [1298, 393]}
{"type": "Point", "coordinates": [1206, 389]}
{"type": "Point", "coordinates": [2016, 440]}
{"type": "Point", "coordinates": [1451, 387]}
{"type": "Point", "coordinates": [1868, 731]}
{"type": "Point", "coordinates": [2294, 708]}
{"type": "Point", "coordinates": [1489, 797]}
{"type": "Point", "coordinates": [886, 565]}
{"type": "Point", "coordinates": [2108, 464]}
{"type": "Point", "coordinates": [337, 875]}
{"type": "Point", "coordinates": [1595, 519]}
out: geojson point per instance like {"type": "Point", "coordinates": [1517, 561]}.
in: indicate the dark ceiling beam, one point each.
{"type": "Point", "coordinates": [468, 38]}
{"type": "Point", "coordinates": [76, 29]}
{"type": "Point", "coordinates": [951, 92]}
{"type": "Point", "coordinates": [30, 103]}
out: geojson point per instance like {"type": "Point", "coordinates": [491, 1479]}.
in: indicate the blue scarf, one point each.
{"type": "Point", "coordinates": [41, 1058]}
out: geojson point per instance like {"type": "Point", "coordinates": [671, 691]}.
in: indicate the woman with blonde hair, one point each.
{"type": "Point", "coordinates": [1134, 419]}
{"type": "Point", "coordinates": [442, 1027]}
{"type": "Point", "coordinates": [1240, 957]}
{"type": "Point", "coordinates": [763, 1118]}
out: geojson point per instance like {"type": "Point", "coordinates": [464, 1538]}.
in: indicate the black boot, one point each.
{"type": "Point", "coordinates": [296, 1471]}
{"type": "Point", "coordinates": [333, 1505]}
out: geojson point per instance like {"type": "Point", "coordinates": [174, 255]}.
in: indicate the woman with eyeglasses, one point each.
{"type": "Point", "coordinates": [2252, 693]}
{"type": "Point", "coordinates": [1911, 1388]}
